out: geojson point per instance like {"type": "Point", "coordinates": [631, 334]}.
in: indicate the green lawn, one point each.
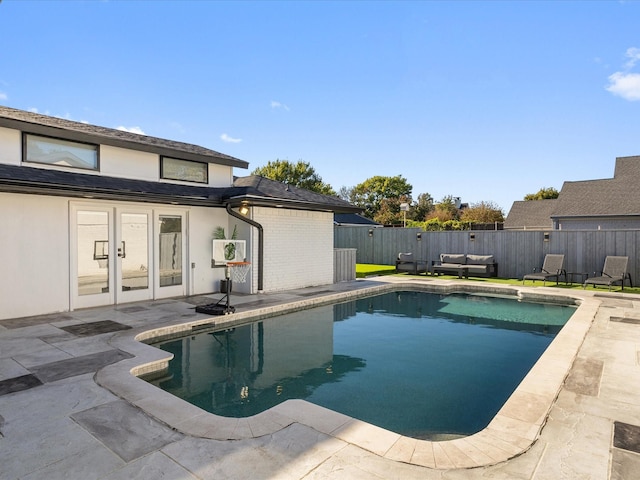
{"type": "Point", "coordinates": [365, 270]}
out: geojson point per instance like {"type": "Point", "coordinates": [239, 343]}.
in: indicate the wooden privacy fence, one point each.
{"type": "Point", "coordinates": [517, 252]}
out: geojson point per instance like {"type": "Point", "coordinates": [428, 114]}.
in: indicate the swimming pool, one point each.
{"type": "Point", "coordinates": [421, 364]}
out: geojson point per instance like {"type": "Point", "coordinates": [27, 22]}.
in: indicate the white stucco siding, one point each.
{"type": "Point", "coordinates": [10, 146]}
{"type": "Point", "coordinates": [124, 163]}
{"type": "Point", "coordinates": [298, 248]}
{"type": "Point", "coordinates": [202, 223]}
{"type": "Point", "coordinates": [34, 255]}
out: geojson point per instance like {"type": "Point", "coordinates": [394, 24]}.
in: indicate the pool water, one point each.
{"type": "Point", "coordinates": [420, 364]}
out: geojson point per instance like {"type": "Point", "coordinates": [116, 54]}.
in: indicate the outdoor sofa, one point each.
{"type": "Point", "coordinates": [408, 264]}
{"type": "Point", "coordinates": [465, 265]}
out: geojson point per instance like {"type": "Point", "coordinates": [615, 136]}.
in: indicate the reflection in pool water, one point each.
{"type": "Point", "coordinates": [417, 363]}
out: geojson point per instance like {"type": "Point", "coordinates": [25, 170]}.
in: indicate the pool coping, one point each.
{"type": "Point", "coordinates": [513, 430]}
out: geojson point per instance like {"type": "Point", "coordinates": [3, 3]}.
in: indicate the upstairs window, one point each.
{"type": "Point", "coordinates": [54, 151]}
{"type": "Point", "coordinates": [185, 170]}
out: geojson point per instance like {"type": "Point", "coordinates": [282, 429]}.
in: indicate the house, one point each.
{"type": "Point", "coordinates": [604, 204]}
{"type": "Point", "coordinates": [96, 216]}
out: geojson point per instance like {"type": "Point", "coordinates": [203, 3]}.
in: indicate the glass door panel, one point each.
{"type": "Point", "coordinates": [170, 250]}
{"type": "Point", "coordinates": [93, 266]}
{"type": "Point", "coordinates": [134, 251]}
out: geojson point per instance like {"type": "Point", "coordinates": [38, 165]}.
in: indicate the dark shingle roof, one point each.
{"type": "Point", "coordinates": [250, 190]}
{"type": "Point", "coordinates": [615, 196]}
{"type": "Point", "coordinates": [21, 179]}
{"type": "Point", "coordinates": [264, 191]}
{"type": "Point", "coordinates": [531, 214]}
{"type": "Point", "coordinates": [354, 219]}
{"type": "Point", "coordinates": [61, 128]}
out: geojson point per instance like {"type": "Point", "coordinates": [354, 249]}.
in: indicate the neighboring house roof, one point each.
{"type": "Point", "coordinates": [354, 219]}
{"type": "Point", "coordinates": [83, 132]}
{"type": "Point", "coordinates": [617, 196]}
{"type": "Point", "coordinates": [530, 214]}
{"type": "Point", "coordinates": [610, 197]}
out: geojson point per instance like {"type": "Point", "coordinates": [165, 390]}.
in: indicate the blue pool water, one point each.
{"type": "Point", "coordinates": [419, 364]}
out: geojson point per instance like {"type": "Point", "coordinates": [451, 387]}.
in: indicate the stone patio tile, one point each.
{"type": "Point", "coordinates": [74, 366]}
{"type": "Point", "coordinates": [585, 376]}
{"type": "Point", "coordinates": [402, 450]}
{"type": "Point", "coordinates": [320, 418]}
{"type": "Point", "coordinates": [527, 407]}
{"type": "Point", "coordinates": [155, 466]}
{"type": "Point", "coordinates": [87, 464]}
{"type": "Point", "coordinates": [367, 436]}
{"type": "Point", "coordinates": [9, 368]}
{"type": "Point", "coordinates": [79, 346]}
{"type": "Point", "coordinates": [125, 430]}
{"type": "Point", "coordinates": [423, 455]}
{"type": "Point", "coordinates": [39, 444]}
{"type": "Point", "coordinates": [441, 458]}
{"type": "Point", "coordinates": [624, 465]}
{"type": "Point", "coordinates": [290, 453]}
{"type": "Point", "coordinates": [354, 463]}
{"type": "Point", "coordinates": [26, 347]}
{"type": "Point", "coordinates": [481, 452]}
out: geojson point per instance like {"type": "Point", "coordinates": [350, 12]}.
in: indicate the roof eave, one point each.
{"type": "Point", "coordinates": [80, 136]}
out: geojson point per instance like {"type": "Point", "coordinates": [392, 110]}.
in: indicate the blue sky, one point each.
{"type": "Point", "coordinates": [487, 101]}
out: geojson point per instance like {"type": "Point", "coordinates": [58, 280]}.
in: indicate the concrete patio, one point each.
{"type": "Point", "coordinates": [69, 408]}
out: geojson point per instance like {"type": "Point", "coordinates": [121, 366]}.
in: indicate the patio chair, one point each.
{"type": "Point", "coordinates": [407, 263]}
{"type": "Point", "coordinates": [551, 267]}
{"type": "Point", "coordinates": [614, 271]}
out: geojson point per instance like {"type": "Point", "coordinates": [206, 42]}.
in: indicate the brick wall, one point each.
{"type": "Point", "coordinates": [298, 248]}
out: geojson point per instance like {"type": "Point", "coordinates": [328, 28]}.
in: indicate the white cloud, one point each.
{"type": "Point", "coordinates": [626, 84]}
{"type": "Point", "coordinates": [275, 104]}
{"type": "Point", "coordinates": [226, 138]}
{"type": "Point", "coordinates": [634, 55]}
{"type": "Point", "coordinates": [137, 130]}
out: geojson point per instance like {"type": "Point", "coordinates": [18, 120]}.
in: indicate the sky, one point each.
{"type": "Point", "coordinates": [483, 100]}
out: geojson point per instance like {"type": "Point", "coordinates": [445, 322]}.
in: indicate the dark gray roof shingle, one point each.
{"type": "Point", "coordinates": [67, 129]}
{"type": "Point", "coordinates": [530, 214]}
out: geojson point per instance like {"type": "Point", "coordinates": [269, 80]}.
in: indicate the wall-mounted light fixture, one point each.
{"type": "Point", "coordinates": [419, 236]}
{"type": "Point", "coordinates": [546, 236]}
{"type": "Point", "coordinates": [244, 210]}
{"type": "Point", "coordinates": [371, 232]}
{"type": "Point", "coordinates": [472, 236]}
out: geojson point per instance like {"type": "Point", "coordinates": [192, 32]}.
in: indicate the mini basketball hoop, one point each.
{"type": "Point", "coordinates": [238, 271]}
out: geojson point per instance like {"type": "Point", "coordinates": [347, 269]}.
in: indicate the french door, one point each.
{"type": "Point", "coordinates": [118, 256]}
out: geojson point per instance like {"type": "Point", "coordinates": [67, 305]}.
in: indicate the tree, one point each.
{"type": "Point", "coordinates": [482, 212]}
{"type": "Point", "coordinates": [390, 213]}
{"type": "Point", "coordinates": [300, 174]}
{"type": "Point", "coordinates": [369, 194]}
{"type": "Point", "coordinates": [422, 208]}
{"type": "Point", "coordinates": [445, 210]}
{"type": "Point", "coordinates": [543, 194]}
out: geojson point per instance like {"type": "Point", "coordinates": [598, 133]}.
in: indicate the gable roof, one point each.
{"type": "Point", "coordinates": [531, 214]}
{"type": "Point", "coordinates": [615, 196]}
{"type": "Point", "coordinates": [36, 123]}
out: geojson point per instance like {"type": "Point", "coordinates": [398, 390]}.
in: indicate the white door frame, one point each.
{"type": "Point", "coordinates": [114, 292]}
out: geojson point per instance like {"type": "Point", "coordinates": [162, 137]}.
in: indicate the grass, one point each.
{"type": "Point", "coordinates": [365, 270]}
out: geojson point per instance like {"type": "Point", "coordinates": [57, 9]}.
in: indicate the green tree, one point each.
{"type": "Point", "coordinates": [300, 174]}
{"type": "Point", "coordinates": [421, 209]}
{"type": "Point", "coordinates": [445, 210]}
{"type": "Point", "coordinates": [482, 212]}
{"type": "Point", "coordinates": [390, 213]}
{"type": "Point", "coordinates": [369, 194]}
{"type": "Point", "coordinates": [543, 194]}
